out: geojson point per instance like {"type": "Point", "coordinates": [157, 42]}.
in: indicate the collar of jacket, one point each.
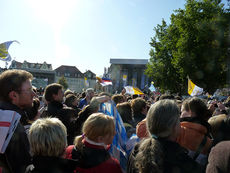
{"type": "Point", "coordinates": [197, 120]}
{"type": "Point", "coordinates": [12, 107]}
{"type": "Point", "coordinates": [90, 155]}
{"type": "Point", "coordinates": [55, 104]}
{"type": "Point", "coordinates": [51, 163]}
{"type": "Point", "coordinates": [88, 144]}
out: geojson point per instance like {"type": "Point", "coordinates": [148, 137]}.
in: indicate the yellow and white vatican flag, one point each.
{"type": "Point", "coordinates": [194, 90]}
{"type": "Point", "coordinates": [86, 82]}
{"type": "Point", "coordinates": [133, 90]}
{"type": "Point", "coordinates": [4, 54]}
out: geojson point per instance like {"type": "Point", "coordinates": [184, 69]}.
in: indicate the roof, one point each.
{"type": "Point", "coordinates": [72, 70]}
{"type": "Point", "coordinates": [129, 61]}
{"type": "Point", "coordinates": [25, 64]}
{"type": "Point", "coordinates": [88, 71]}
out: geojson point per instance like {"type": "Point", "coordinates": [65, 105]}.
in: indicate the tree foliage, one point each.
{"type": "Point", "coordinates": [195, 44]}
{"type": "Point", "coordinates": [62, 80]}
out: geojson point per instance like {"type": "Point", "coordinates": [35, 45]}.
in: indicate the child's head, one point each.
{"type": "Point", "coordinates": [99, 128]}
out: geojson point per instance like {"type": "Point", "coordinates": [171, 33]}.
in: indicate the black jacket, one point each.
{"type": "Point", "coordinates": [42, 164]}
{"type": "Point", "coordinates": [17, 156]}
{"type": "Point", "coordinates": [137, 118]}
{"type": "Point", "coordinates": [175, 158]}
{"type": "Point", "coordinates": [67, 116]}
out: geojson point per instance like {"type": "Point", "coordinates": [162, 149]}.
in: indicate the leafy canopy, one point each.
{"type": "Point", "coordinates": [195, 44]}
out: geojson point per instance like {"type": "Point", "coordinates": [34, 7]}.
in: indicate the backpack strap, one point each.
{"type": "Point", "coordinates": [199, 149]}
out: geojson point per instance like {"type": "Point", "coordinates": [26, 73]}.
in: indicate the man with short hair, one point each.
{"type": "Point", "coordinates": [54, 95]}
{"type": "Point", "coordinates": [16, 94]}
{"type": "Point", "coordinates": [85, 101]}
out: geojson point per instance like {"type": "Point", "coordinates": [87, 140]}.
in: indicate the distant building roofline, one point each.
{"type": "Point", "coordinates": [128, 61]}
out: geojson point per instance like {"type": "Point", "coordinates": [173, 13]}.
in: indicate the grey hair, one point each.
{"type": "Point", "coordinates": [162, 117]}
{"type": "Point", "coordinates": [89, 90]}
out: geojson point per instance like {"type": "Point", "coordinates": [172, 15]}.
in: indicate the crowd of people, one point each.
{"type": "Point", "coordinates": [67, 132]}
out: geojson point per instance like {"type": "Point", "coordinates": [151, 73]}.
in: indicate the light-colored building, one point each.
{"type": "Point", "coordinates": [73, 76]}
{"type": "Point", "coordinates": [124, 72]}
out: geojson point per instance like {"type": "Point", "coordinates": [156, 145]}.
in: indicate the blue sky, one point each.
{"type": "Point", "coordinates": [81, 33]}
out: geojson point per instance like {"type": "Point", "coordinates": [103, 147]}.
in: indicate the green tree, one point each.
{"type": "Point", "coordinates": [160, 69]}
{"type": "Point", "coordinates": [195, 44]}
{"type": "Point", "coordinates": [62, 80]}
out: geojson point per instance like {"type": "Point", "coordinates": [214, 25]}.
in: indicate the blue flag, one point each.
{"type": "Point", "coordinates": [4, 54]}
{"type": "Point", "coordinates": [152, 88]}
{"type": "Point", "coordinates": [118, 146]}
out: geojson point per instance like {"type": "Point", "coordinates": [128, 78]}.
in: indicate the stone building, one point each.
{"type": "Point", "coordinates": [42, 72]}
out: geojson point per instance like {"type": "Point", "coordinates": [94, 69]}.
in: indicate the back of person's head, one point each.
{"type": "Point", "coordinates": [166, 96]}
{"type": "Point", "coordinates": [89, 91]}
{"type": "Point", "coordinates": [185, 108]}
{"type": "Point", "coordinates": [96, 125]}
{"type": "Point", "coordinates": [118, 98]}
{"type": "Point", "coordinates": [88, 110]}
{"type": "Point", "coordinates": [48, 137]}
{"type": "Point", "coordinates": [220, 127]}
{"type": "Point", "coordinates": [137, 105]}
{"type": "Point", "coordinates": [134, 96]}
{"type": "Point", "coordinates": [67, 92]}
{"type": "Point", "coordinates": [82, 95]}
{"type": "Point", "coordinates": [198, 108]}
{"type": "Point", "coordinates": [50, 90]}
{"type": "Point", "coordinates": [125, 111]}
{"type": "Point", "coordinates": [70, 98]}
{"type": "Point", "coordinates": [12, 80]}
{"type": "Point", "coordinates": [218, 159]}
{"type": "Point", "coordinates": [162, 119]}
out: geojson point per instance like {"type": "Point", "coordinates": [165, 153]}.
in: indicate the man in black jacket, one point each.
{"type": "Point", "coordinates": [16, 94]}
{"type": "Point", "coordinates": [54, 96]}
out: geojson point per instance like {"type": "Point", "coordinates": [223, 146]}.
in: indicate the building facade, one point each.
{"type": "Point", "coordinates": [91, 79]}
{"type": "Point", "coordinates": [124, 72]}
{"type": "Point", "coordinates": [73, 76]}
{"type": "Point", "coordinates": [42, 72]}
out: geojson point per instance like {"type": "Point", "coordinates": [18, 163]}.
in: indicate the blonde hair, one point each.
{"type": "Point", "coordinates": [48, 137]}
{"type": "Point", "coordinates": [97, 124]}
